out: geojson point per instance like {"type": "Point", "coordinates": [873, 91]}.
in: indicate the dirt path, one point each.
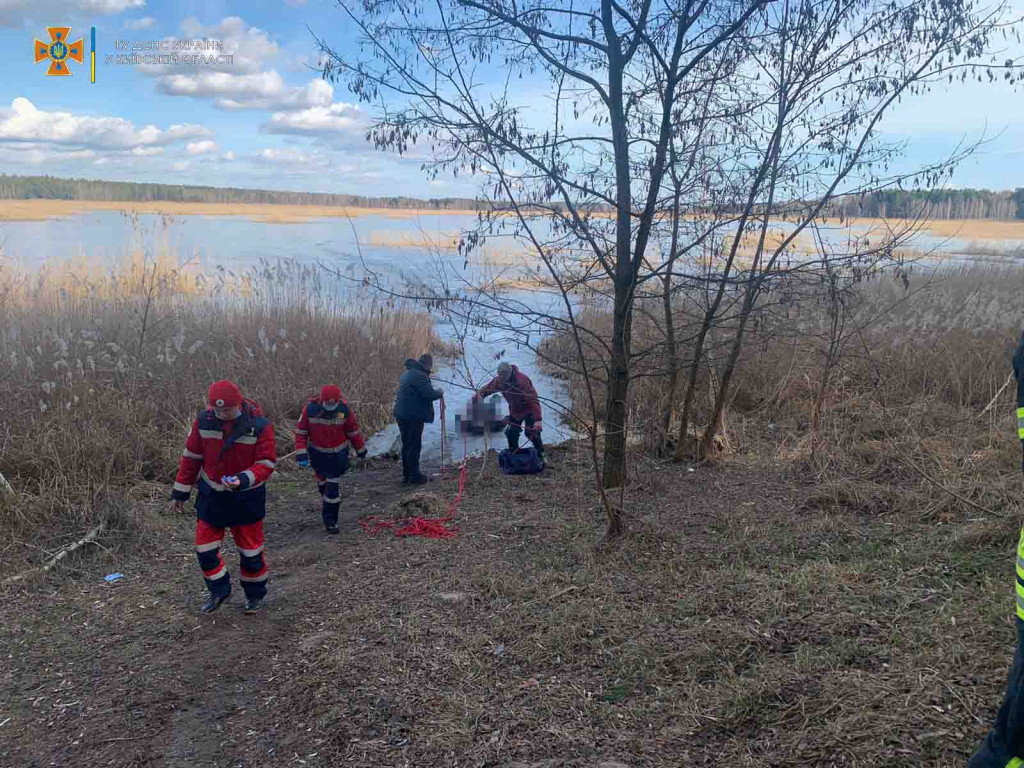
{"type": "Point", "coordinates": [748, 619]}
{"type": "Point", "coordinates": [130, 674]}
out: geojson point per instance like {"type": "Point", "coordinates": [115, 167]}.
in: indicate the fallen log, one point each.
{"type": "Point", "coordinates": [49, 564]}
{"type": "Point", "coordinates": [5, 487]}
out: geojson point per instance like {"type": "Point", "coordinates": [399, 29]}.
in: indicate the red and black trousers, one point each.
{"type": "Point", "coordinates": [252, 565]}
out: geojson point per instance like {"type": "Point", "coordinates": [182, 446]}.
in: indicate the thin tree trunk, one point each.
{"type": "Point", "coordinates": [691, 385]}
{"type": "Point", "coordinates": [754, 281]}
{"type": "Point", "coordinates": [614, 474]}
{"type": "Point", "coordinates": [712, 311]}
{"type": "Point", "coordinates": [618, 387]}
{"type": "Point", "coordinates": [830, 361]}
{"type": "Point", "coordinates": [670, 329]}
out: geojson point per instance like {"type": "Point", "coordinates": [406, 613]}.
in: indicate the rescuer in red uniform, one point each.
{"type": "Point", "coordinates": [523, 405]}
{"type": "Point", "coordinates": [230, 454]}
{"type": "Point", "coordinates": [326, 428]}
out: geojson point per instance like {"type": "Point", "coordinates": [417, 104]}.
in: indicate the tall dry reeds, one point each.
{"type": "Point", "coordinates": [103, 371]}
{"type": "Point", "coordinates": [903, 418]}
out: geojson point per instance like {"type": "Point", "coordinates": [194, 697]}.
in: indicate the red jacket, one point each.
{"type": "Point", "coordinates": [325, 436]}
{"type": "Point", "coordinates": [243, 447]}
{"type": "Point", "coordinates": [520, 395]}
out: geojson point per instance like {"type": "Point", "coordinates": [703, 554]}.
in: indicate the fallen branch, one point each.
{"type": "Point", "coordinates": [559, 593]}
{"type": "Point", "coordinates": [49, 564]}
{"type": "Point", "coordinates": [1001, 390]}
{"type": "Point", "coordinates": [955, 495]}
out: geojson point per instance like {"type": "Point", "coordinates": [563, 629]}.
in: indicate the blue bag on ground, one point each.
{"type": "Point", "coordinates": [525, 461]}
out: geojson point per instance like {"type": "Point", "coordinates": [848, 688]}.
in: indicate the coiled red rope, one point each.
{"type": "Point", "coordinates": [428, 527]}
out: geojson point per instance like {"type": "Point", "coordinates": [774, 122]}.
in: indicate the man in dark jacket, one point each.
{"type": "Point", "coordinates": [1004, 745]}
{"type": "Point", "coordinates": [414, 407]}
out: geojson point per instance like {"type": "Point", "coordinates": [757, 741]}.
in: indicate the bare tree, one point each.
{"type": "Point", "coordinates": [828, 74]}
{"type": "Point", "coordinates": [592, 166]}
{"type": "Point", "coordinates": [779, 101]}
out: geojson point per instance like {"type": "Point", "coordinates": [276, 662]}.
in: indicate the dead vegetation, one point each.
{"type": "Point", "coordinates": [103, 372]}
{"type": "Point", "coordinates": [739, 622]}
{"type": "Point", "coordinates": [916, 416]}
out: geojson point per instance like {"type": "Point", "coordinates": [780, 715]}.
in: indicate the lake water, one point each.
{"type": "Point", "coordinates": [237, 243]}
{"type": "Point", "coordinates": [377, 242]}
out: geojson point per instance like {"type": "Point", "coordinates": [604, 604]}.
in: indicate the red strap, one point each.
{"type": "Point", "coordinates": [428, 527]}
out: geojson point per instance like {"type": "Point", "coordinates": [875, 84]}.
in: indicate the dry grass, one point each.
{"type": "Point", "coordinates": [911, 387]}
{"type": "Point", "coordinates": [739, 623]}
{"type": "Point", "coordinates": [965, 229]}
{"type": "Point", "coordinates": [102, 374]}
{"type": "Point", "coordinates": [33, 210]}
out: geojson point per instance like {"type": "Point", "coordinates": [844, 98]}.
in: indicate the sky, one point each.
{"type": "Point", "coordinates": [268, 120]}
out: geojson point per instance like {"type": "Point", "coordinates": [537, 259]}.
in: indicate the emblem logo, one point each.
{"type": "Point", "coordinates": [59, 51]}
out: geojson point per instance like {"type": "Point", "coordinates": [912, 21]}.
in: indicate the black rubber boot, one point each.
{"type": "Point", "coordinates": [513, 439]}
{"type": "Point", "coordinates": [213, 602]}
{"type": "Point", "coordinates": [254, 605]}
{"type": "Point", "coordinates": [539, 445]}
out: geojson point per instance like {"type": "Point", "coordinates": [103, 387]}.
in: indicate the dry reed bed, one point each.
{"type": "Point", "coordinates": [36, 210]}
{"type": "Point", "coordinates": [904, 414]}
{"type": "Point", "coordinates": [100, 380]}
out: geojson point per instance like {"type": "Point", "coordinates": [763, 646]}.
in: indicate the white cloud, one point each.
{"type": "Point", "coordinates": [135, 25]}
{"type": "Point", "coordinates": [23, 122]}
{"type": "Point", "coordinates": [204, 147]}
{"type": "Point", "coordinates": [295, 3]}
{"type": "Point", "coordinates": [297, 63]}
{"type": "Point", "coordinates": [296, 161]}
{"type": "Point", "coordinates": [15, 13]}
{"type": "Point", "coordinates": [340, 119]}
{"type": "Point", "coordinates": [249, 48]}
{"type": "Point", "coordinates": [37, 154]}
{"type": "Point", "coordinates": [261, 90]}
{"type": "Point", "coordinates": [229, 156]}
{"type": "Point", "coordinates": [244, 82]}
{"type": "Point", "coordinates": [180, 166]}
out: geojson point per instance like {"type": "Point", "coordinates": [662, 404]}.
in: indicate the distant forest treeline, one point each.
{"type": "Point", "coordinates": [53, 188]}
{"type": "Point", "coordinates": [892, 203]}
{"type": "Point", "coordinates": [933, 203]}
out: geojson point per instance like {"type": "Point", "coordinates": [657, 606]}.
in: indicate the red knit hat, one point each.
{"type": "Point", "coordinates": [330, 393]}
{"type": "Point", "coordinates": [224, 394]}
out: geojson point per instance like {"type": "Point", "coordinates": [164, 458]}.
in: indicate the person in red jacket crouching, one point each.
{"type": "Point", "coordinates": [326, 427]}
{"type": "Point", "coordinates": [523, 405]}
{"type": "Point", "coordinates": [230, 452]}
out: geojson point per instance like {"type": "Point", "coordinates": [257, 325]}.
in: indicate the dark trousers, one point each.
{"type": "Point", "coordinates": [331, 499]}
{"type": "Point", "coordinates": [514, 430]}
{"type": "Point", "coordinates": [412, 444]}
{"type": "Point", "coordinates": [1005, 742]}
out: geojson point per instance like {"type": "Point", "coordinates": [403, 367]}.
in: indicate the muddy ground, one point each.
{"type": "Point", "coordinates": [741, 623]}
